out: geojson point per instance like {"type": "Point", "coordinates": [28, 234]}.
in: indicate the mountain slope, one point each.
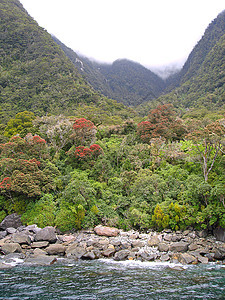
{"type": "Point", "coordinates": [211, 37]}
{"type": "Point", "coordinates": [130, 82]}
{"type": "Point", "coordinates": [36, 75]}
{"type": "Point", "coordinates": [126, 81]}
{"type": "Point", "coordinates": [201, 82]}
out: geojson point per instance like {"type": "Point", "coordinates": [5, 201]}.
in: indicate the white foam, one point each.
{"type": "Point", "coordinates": [15, 261]}
{"type": "Point", "coordinates": [145, 264]}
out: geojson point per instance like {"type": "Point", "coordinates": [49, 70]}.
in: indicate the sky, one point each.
{"type": "Point", "coordinates": [155, 33]}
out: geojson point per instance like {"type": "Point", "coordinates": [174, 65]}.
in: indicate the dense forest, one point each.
{"type": "Point", "coordinates": [73, 158]}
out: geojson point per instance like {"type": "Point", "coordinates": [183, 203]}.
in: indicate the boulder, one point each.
{"type": "Point", "coordinates": [219, 253]}
{"type": "Point", "coordinates": [46, 234]}
{"type": "Point", "coordinates": [153, 241]}
{"type": "Point", "coordinates": [202, 259]}
{"type": "Point", "coordinates": [3, 234]}
{"type": "Point", "coordinates": [56, 249]}
{"type": "Point", "coordinates": [43, 260]}
{"type": "Point", "coordinates": [186, 258]}
{"type": "Point", "coordinates": [138, 243]}
{"type": "Point", "coordinates": [42, 244]}
{"type": "Point", "coordinates": [121, 255]}
{"type": "Point", "coordinates": [106, 231]}
{"type": "Point", "coordinates": [164, 257]}
{"type": "Point", "coordinates": [219, 233]}
{"type": "Point", "coordinates": [178, 247]}
{"type": "Point", "coordinates": [11, 248]}
{"type": "Point", "coordinates": [167, 237]}
{"type": "Point", "coordinates": [10, 230]}
{"type": "Point", "coordinates": [192, 247]}
{"type": "Point", "coordinates": [163, 247]}
{"type": "Point", "coordinates": [108, 252]}
{"type": "Point", "coordinates": [38, 252]}
{"type": "Point", "coordinates": [146, 256]}
{"type": "Point", "coordinates": [32, 228]}
{"type": "Point", "coordinates": [13, 220]}
{"type": "Point", "coordinates": [89, 255]}
{"type": "Point", "coordinates": [76, 251]}
{"type": "Point", "coordinates": [21, 238]}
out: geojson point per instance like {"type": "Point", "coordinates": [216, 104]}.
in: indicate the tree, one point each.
{"type": "Point", "coordinates": [21, 124]}
{"type": "Point", "coordinates": [24, 168]}
{"type": "Point", "coordinates": [84, 132]}
{"type": "Point", "coordinates": [58, 130]}
{"type": "Point", "coordinates": [162, 123]}
{"type": "Point", "coordinates": [209, 143]}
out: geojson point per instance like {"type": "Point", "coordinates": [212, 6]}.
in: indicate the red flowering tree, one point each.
{"type": "Point", "coordinates": [84, 132]}
{"type": "Point", "coordinates": [162, 122]}
{"type": "Point", "coordinates": [23, 167]}
{"type": "Point", "coordinates": [83, 154]}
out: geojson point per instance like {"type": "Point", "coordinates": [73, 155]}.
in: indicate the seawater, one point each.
{"type": "Point", "coordinates": [108, 279]}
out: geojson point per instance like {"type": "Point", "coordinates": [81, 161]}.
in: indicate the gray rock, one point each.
{"type": "Point", "coordinates": [42, 260]}
{"type": "Point", "coordinates": [178, 247]}
{"type": "Point", "coordinates": [89, 255]}
{"type": "Point", "coordinates": [75, 251]}
{"type": "Point", "coordinates": [163, 247]}
{"type": "Point", "coordinates": [138, 243]}
{"type": "Point", "coordinates": [121, 255]}
{"type": "Point", "coordinates": [38, 252]}
{"type": "Point", "coordinates": [10, 230]}
{"type": "Point", "coordinates": [186, 258]}
{"type": "Point", "coordinates": [11, 248]}
{"type": "Point", "coordinates": [42, 244]}
{"type": "Point", "coordinates": [153, 241]}
{"type": "Point", "coordinates": [165, 257]}
{"type": "Point", "coordinates": [168, 237]}
{"type": "Point", "coordinates": [146, 256]}
{"type": "Point", "coordinates": [56, 249]}
{"type": "Point", "coordinates": [46, 234]}
{"type": "Point", "coordinates": [219, 253]}
{"type": "Point", "coordinates": [32, 228]}
{"type": "Point", "coordinates": [202, 259]}
{"type": "Point", "coordinates": [108, 252]}
{"type": "Point", "coordinates": [13, 220]}
{"type": "Point", "coordinates": [3, 234]}
{"type": "Point", "coordinates": [192, 247]}
{"type": "Point", "coordinates": [21, 238]}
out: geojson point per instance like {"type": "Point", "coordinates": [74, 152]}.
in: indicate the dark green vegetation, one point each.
{"type": "Point", "coordinates": [72, 158]}
{"type": "Point", "coordinates": [125, 81]}
{"type": "Point", "coordinates": [37, 76]}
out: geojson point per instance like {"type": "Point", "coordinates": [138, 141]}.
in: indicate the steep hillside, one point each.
{"type": "Point", "coordinates": [130, 82]}
{"type": "Point", "coordinates": [125, 81]}
{"type": "Point", "coordinates": [35, 73]}
{"type": "Point", "coordinates": [201, 82]}
{"type": "Point", "coordinates": [211, 37]}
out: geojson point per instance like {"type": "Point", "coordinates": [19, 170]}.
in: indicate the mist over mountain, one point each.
{"type": "Point", "coordinates": [126, 81]}
{"type": "Point", "coordinates": [201, 81]}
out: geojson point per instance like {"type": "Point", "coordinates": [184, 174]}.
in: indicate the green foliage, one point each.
{"type": "Point", "coordinates": [41, 212]}
{"type": "Point", "coordinates": [22, 124]}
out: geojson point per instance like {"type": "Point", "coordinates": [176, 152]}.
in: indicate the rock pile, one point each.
{"type": "Point", "coordinates": [43, 246]}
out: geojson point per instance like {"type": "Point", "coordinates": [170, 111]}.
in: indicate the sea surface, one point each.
{"type": "Point", "coordinates": [108, 279]}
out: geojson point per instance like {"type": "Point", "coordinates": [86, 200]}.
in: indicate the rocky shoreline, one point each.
{"type": "Point", "coordinates": [36, 246]}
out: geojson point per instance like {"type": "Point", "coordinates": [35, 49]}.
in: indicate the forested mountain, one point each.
{"type": "Point", "coordinates": [126, 81]}
{"type": "Point", "coordinates": [202, 79]}
{"type": "Point", "coordinates": [36, 75]}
